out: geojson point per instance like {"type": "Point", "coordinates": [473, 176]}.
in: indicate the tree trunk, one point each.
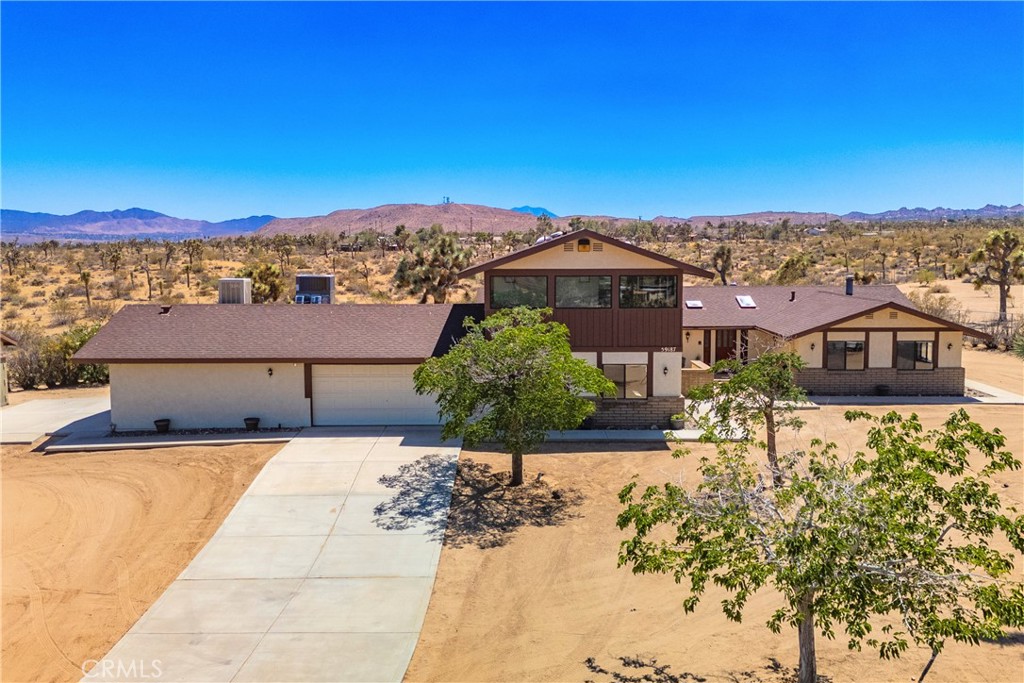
{"type": "Point", "coordinates": [928, 666]}
{"type": "Point", "coordinates": [517, 469]}
{"type": "Point", "coordinates": [1004, 288]}
{"type": "Point", "coordinates": [808, 672]}
{"type": "Point", "coordinates": [773, 453]}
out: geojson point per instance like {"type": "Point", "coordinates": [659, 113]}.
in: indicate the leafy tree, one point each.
{"type": "Point", "coordinates": [793, 269]}
{"type": "Point", "coordinates": [721, 261]}
{"type": "Point", "coordinates": [760, 393]}
{"type": "Point", "coordinates": [433, 267]}
{"type": "Point", "coordinates": [511, 378]}
{"type": "Point", "coordinates": [903, 537]}
{"type": "Point", "coordinates": [267, 283]}
{"type": "Point", "coordinates": [1001, 262]}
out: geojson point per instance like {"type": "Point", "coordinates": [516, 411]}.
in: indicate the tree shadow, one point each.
{"type": "Point", "coordinates": [639, 670]}
{"type": "Point", "coordinates": [483, 511]}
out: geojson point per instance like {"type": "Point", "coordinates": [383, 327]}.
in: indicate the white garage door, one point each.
{"type": "Point", "coordinates": [369, 395]}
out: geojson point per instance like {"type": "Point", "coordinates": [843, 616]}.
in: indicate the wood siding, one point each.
{"type": "Point", "coordinates": [648, 327]}
{"type": "Point", "coordinates": [588, 327]}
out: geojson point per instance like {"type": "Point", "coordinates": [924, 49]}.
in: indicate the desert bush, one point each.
{"type": "Point", "coordinates": [938, 289]}
{"type": "Point", "coordinates": [926, 276]}
{"type": "Point", "coordinates": [100, 310]}
{"type": "Point", "coordinates": [37, 282]}
{"type": "Point", "coordinates": [63, 311]}
{"type": "Point", "coordinates": [940, 306]}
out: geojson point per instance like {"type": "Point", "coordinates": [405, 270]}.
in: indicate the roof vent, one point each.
{"type": "Point", "coordinates": [164, 310]}
{"type": "Point", "coordinates": [583, 244]}
{"type": "Point", "coordinates": [598, 246]}
{"type": "Point", "coordinates": [792, 295]}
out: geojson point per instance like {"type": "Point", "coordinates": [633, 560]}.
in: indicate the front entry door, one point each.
{"type": "Point", "coordinates": [725, 345]}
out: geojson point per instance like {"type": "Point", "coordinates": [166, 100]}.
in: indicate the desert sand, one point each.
{"type": "Point", "coordinates": [538, 602]}
{"type": "Point", "coordinates": [90, 540]}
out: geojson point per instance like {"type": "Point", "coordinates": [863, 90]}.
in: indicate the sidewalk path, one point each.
{"type": "Point", "coordinates": [305, 580]}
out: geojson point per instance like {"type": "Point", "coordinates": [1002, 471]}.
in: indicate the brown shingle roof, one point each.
{"type": "Point", "coordinates": [812, 307]}
{"type": "Point", "coordinates": [241, 333]}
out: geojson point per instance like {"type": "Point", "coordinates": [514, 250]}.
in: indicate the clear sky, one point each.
{"type": "Point", "coordinates": [222, 110]}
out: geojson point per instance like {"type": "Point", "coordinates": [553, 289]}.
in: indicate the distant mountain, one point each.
{"type": "Point", "coordinates": [462, 218]}
{"type": "Point", "coordinates": [535, 210]}
{"type": "Point", "coordinates": [114, 225]}
{"type": "Point", "coordinates": [937, 214]}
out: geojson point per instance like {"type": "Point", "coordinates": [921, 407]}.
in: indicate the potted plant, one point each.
{"type": "Point", "coordinates": [252, 424]}
{"type": "Point", "coordinates": [678, 421]}
{"type": "Point", "coordinates": [163, 425]}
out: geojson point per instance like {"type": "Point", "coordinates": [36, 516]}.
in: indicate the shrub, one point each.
{"type": "Point", "coordinates": [938, 289]}
{"type": "Point", "coordinates": [64, 312]}
{"type": "Point", "coordinates": [925, 276]}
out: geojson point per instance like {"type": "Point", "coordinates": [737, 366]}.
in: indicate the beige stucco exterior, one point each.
{"type": "Point", "coordinates": [887, 318]}
{"type": "Point", "coordinates": [610, 257]}
{"type": "Point", "coordinates": [802, 347]}
{"type": "Point", "coordinates": [879, 349]}
{"type": "Point", "coordinates": [693, 348]}
{"type": "Point", "coordinates": [196, 395]}
{"type": "Point", "coordinates": [951, 349]}
{"type": "Point", "coordinates": [666, 378]}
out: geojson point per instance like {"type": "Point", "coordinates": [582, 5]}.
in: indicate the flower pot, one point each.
{"type": "Point", "coordinates": [677, 423]}
{"type": "Point", "coordinates": [162, 426]}
{"type": "Point", "coordinates": [252, 424]}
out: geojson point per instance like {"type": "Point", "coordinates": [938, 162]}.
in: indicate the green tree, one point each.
{"type": "Point", "coordinates": [759, 393]}
{"type": "Point", "coordinates": [793, 269]}
{"type": "Point", "coordinates": [1001, 262]}
{"type": "Point", "coordinates": [511, 378]}
{"type": "Point", "coordinates": [901, 539]}
{"type": "Point", "coordinates": [721, 261]}
{"type": "Point", "coordinates": [433, 266]}
{"type": "Point", "coordinates": [267, 282]}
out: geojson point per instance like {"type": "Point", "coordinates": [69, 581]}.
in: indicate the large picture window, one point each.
{"type": "Point", "coordinates": [845, 355]}
{"type": "Point", "coordinates": [648, 291]}
{"type": "Point", "coordinates": [915, 355]}
{"type": "Point", "coordinates": [508, 291]}
{"type": "Point", "coordinates": [588, 291]}
{"type": "Point", "coordinates": [630, 380]}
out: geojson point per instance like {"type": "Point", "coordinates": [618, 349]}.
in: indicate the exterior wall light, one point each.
{"type": "Point", "coordinates": [949, 346]}
{"type": "Point", "coordinates": [664, 370]}
{"type": "Point", "coordinates": [687, 336]}
{"type": "Point", "coordinates": [812, 346]}
{"type": "Point", "coordinates": [270, 372]}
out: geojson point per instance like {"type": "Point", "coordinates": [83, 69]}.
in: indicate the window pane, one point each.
{"type": "Point", "coordinates": [854, 355]}
{"type": "Point", "coordinates": [617, 374]}
{"type": "Point", "coordinates": [647, 291]}
{"type": "Point", "coordinates": [906, 352]}
{"type": "Point", "coordinates": [636, 381]}
{"type": "Point", "coordinates": [519, 290]}
{"type": "Point", "coordinates": [836, 356]}
{"type": "Point", "coordinates": [923, 352]}
{"type": "Point", "coordinates": [583, 292]}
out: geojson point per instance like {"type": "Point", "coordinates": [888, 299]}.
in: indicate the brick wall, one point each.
{"type": "Point", "coordinates": [937, 382]}
{"type": "Point", "coordinates": [695, 377]}
{"type": "Point", "coordinates": [636, 414]}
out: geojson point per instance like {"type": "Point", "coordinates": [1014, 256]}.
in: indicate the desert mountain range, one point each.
{"type": "Point", "coordinates": [143, 223]}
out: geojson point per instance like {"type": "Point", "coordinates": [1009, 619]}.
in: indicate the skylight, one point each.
{"type": "Point", "coordinates": [745, 301]}
{"type": "Point", "coordinates": [694, 303]}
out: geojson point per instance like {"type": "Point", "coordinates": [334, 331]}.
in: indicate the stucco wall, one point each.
{"type": "Point", "coordinates": [951, 357]}
{"type": "Point", "coordinates": [609, 257]}
{"type": "Point", "coordinates": [884, 319]}
{"type": "Point", "coordinates": [879, 349]}
{"type": "Point", "coordinates": [667, 384]}
{"type": "Point", "coordinates": [802, 347]}
{"type": "Point", "coordinates": [200, 395]}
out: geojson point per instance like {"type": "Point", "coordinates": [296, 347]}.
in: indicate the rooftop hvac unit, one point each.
{"type": "Point", "coordinates": [314, 289]}
{"type": "Point", "coordinates": [235, 290]}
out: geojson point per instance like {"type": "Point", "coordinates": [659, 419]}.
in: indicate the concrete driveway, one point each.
{"type": "Point", "coordinates": [321, 572]}
{"type": "Point", "coordinates": [32, 420]}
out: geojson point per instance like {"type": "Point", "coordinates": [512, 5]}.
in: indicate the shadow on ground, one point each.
{"type": "Point", "coordinates": [484, 510]}
{"type": "Point", "coordinates": [639, 670]}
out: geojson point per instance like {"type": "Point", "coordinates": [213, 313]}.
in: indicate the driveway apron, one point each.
{"type": "Point", "coordinates": [321, 572]}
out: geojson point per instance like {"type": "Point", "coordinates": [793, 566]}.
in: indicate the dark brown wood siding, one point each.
{"type": "Point", "coordinates": [648, 327]}
{"type": "Point", "coordinates": [587, 327]}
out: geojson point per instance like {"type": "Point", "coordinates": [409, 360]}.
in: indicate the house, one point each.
{"type": "Point", "coordinates": [628, 313]}
{"type": "Point", "coordinates": [855, 341]}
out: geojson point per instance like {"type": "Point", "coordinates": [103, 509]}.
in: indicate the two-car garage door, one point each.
{"type": "Point", "coordinates": [369, 395]}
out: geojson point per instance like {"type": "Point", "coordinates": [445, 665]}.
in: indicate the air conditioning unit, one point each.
{"type": "Point", "coordinates": [314, 289]}
{"type": "Point", "coordinates": [234, 290]}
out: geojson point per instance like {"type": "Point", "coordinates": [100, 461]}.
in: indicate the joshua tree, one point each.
{"type": "Point", "coordinates": [721, 261]}
{"type": "Point", "coordinates": [1001, 262]}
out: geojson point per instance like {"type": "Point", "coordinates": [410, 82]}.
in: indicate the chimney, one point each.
{"type": "Point", "coordinates": [792, 295]}
{"type": "Point", "coordinates": [849, 285]}
{"type": "Point", "coordinates": [164, 310]}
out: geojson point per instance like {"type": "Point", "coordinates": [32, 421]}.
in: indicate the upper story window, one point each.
{"type": "Point", "coordinates": [648, 291]}
{"type": "Point", "coordinates": [508, 291]}
{"type": "Point", "coordinates": [586, 291]}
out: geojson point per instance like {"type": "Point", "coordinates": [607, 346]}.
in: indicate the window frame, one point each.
{"type": "Point", "coordinates": [491, 291]}
{"type": "Point", "coordinates": [918, 358]}
{"type": "Point", "coordinates": [846, 354]}
{"type": "Point", "coordinates": [611, 285]}
{"type": "Point", "coordinates": [624, 296]}
{"type": "Point", "coordinates": [621, 388]}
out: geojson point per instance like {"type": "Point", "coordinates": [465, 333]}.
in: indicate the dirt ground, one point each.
{"type": "Point", "coordinates": [982, 304]}
{"type": "Point", "coordinates": [90, 540]}
{"type": "Point", "coordinates": [21, 396]}
{"type": "Point", "coordinates": [540, 601]}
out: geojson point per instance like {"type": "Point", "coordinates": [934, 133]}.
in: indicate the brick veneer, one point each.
{"type": "Point", "coordinates": [937, 382]}
{"type": "Point", "coordinates": [636, 414]}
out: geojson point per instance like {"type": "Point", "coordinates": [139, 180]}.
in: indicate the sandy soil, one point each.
{"type": "Point", "coordinates": [982, 304]}
{"type": "Point", "coordinates": [996, 368]}
{"type": "Point", "coordinates": [90, 540]}
{"type": "Point", "coordinates": [17, 396]}
{"type": "Point", "coordinates": [545, 598]}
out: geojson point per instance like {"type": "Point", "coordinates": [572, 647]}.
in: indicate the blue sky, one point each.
{"type": "Point", "coordinates": [221, 110]}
